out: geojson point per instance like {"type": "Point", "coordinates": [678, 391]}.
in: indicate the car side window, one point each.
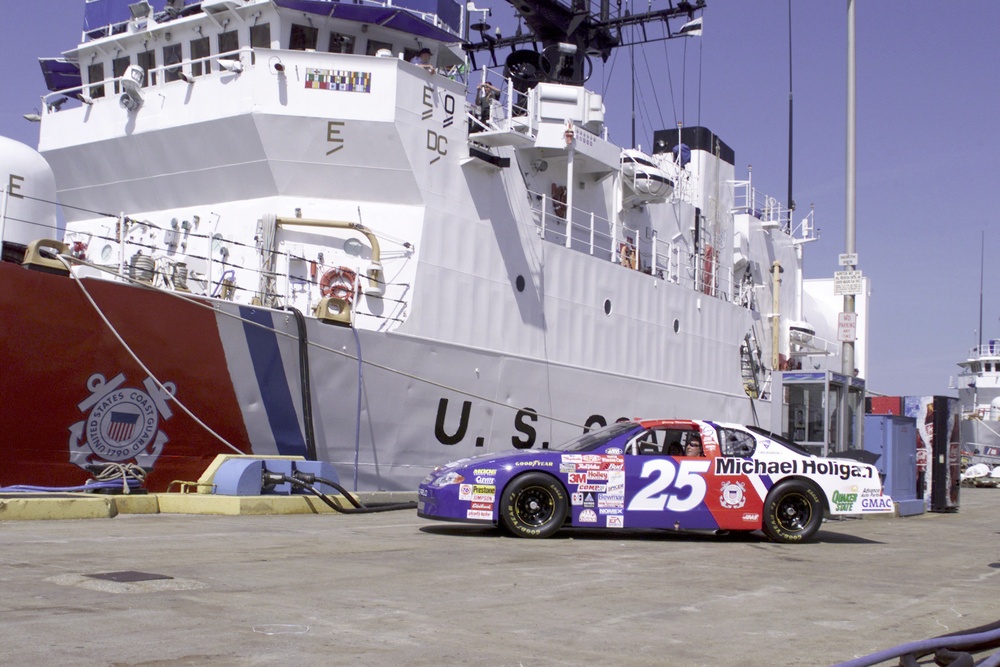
{"type": "Point", "coordinates": [736, 443]}
{"type": "Point", "coordinates": [647, 443]}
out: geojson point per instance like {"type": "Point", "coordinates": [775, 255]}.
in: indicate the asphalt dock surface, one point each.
{"type": "Point", "coordinates": [393, 589]}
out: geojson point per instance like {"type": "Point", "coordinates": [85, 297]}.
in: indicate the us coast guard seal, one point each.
{"type": "Point", "coordinates": [733, 495]}
{"type": "Point", "coordinates": [123, 422]}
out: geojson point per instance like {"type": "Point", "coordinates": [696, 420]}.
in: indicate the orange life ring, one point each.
{"type": "Point", "coordinates": [708, 277]}
{"type": "Point", "coordinates": [338, 283]}
{"type": "Point", "coordinates": [626, 254]}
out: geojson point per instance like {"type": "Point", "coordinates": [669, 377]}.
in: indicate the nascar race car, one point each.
{"type": "Point", "coordinates": [672, 474]}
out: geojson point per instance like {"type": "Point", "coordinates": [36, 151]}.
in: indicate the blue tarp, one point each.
{"type": "Point", "coordinates": [396, 18]}
{"type": "Point", "coordinates": [60, 74]}
{"type": "Point", "coordinates": [99, 14]}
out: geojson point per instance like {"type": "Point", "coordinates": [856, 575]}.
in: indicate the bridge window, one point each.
{"type": "Point", "coordinates": [147, 61]}
{"type": "Point", "coordinates": [303, 38]}
{"type": "Point", "coordinates": [229, 42]}
{"type": "Point", "coordinates": [118, 67]}
{"type": "Point", "coordinates": [96, 73]}
{"type": "Point", "coordinates": [200, 49]}
{"type": "Point", "coordinates": [374, 46]}
{"type": "Point", "coordinates": [260, 36]}
{"type": "Point", "coordinates": [172, 56]}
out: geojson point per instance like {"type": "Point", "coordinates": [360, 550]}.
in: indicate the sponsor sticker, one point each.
{"type": "Point", "coordinates": [480, 493]}
{"type": "Point", "coordinates": [616, 521]}
{"type": "Point", "coordinates": [733, 495]}
{"type": "Point", "coordinates": [588, 516]}
{"type": "Point", "coordinates": [880, 504]}
{"type": "Point", "coordinates": [751, 517]}
{"type": "Point", "coordinates": [479, 514]}
{"type": "Point", "coordinates": [611, 501]}
{"type": "Point", "coordinates": [597, 488]}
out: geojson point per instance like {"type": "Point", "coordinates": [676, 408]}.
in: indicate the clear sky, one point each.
{"type": "Point", "coordinates": [928, 150]}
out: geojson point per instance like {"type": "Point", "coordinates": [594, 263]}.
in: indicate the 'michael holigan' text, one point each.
{"type": "Point", "coordinates": [732, 466]}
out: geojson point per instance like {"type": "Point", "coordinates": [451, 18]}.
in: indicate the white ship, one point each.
{"type": "Point", "coordinates": [284, 237]}
{"type": "Point", "coordinates": [979, 399]}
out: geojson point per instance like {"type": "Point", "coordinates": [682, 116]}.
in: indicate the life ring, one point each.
{"type": "Point", "coordinates": [626, 255]}
{"type": "Point", "coordinates": [338, 283]}
{"type": "Point", "coordinates": [708, 271]}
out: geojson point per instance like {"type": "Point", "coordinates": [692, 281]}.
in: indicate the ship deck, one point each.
{"type": "Point", "coordinates": [388, 589]}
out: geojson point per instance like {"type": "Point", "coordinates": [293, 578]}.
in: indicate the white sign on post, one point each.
{"type": "Point", "coordinates": [848, 259]}
{"type": "Point", "coordinates": [846, 283]}
{"type": "Point", "coordinates": [847, 327]}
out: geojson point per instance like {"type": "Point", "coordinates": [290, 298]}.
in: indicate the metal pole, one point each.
{"type": "Point", "coordinates": [847, 350]}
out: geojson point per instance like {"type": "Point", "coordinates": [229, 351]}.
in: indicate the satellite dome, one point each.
{"type": "Point", "coordinates": [30, 190]}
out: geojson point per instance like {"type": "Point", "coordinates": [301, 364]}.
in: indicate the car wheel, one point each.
{"type": "Point", "coordinates": [533, 505]}
{"type": "Point", "coordinates": [793, 512]}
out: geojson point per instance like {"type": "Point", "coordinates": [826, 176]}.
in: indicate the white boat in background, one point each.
{"type": "Point", "coordinates": [979, 398]}
{"type": "Point", "coordinates": [284, 237]}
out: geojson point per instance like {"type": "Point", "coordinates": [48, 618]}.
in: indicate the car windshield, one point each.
{"type": "Point", "coordinates": [594, 439]}
{"type": "Point", "coordinates": [797, 448]}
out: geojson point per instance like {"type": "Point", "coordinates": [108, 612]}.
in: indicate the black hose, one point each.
{"type": "Point", "coordinates": [358, 508]}
{"type": "Point", "coordinates": [305, 383]}
{"type": "Point", "coordinates": [948, 658]}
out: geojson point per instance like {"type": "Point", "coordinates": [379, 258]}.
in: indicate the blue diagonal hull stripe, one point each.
{"type": "Point", "coordinates": [273, 384]}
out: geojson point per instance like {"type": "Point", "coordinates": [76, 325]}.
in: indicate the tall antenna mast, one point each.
{"type": "Point", "coordinates": [790, 201]}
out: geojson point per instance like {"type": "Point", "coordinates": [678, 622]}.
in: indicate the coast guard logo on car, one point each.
{"type": "Point", "coordinates": [733, 495]}
{"type": "Point", "coordinates": [122, 424]}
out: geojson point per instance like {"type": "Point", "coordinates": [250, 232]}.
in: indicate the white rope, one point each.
{"type": "Point", "coordinates": [200, 303]}
{"type": "Point", "coordinates": [113, 471]}
{"type": "Point", "coordinates": [66, 261]}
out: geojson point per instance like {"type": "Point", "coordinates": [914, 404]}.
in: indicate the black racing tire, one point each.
{"type": "Point", "coordinates": [533, 505]}
{"type": "Point", "coordinates": [793, 512]}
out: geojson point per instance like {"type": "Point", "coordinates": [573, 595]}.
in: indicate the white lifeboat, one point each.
{"type": "Point", "coordinates": [644, 178]}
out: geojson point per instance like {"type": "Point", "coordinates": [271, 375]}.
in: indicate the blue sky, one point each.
{"type": "Point", "coordinates": [928, 143]}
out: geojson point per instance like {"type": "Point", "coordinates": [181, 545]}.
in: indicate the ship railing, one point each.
{"type": "Point", "coordinates": [499, 106]}
{"type": "Point", "coordinates": [988, 349]}
{"type": "Point", "coordinates": [813, 346]}
{"type": "Point", "coordinates": [767, 209]}
{"type": "Point", "coordinates": [585, 231]}
{"type": "Point", "coordinates": [140, 261]}
{"type": "Point", "coordinates": [184, 70]}
{"type": "Point", "coordinates": [700, 271]}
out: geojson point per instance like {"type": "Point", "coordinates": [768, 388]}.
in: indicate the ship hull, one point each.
{"type": "Point", "coordinates": [101, 372]}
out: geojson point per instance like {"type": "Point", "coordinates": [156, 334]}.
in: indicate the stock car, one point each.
{"type": "Point", "coordinates": [637, 474]}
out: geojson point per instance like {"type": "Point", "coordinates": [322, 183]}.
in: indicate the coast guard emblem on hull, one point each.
{"type": "Point", "coordinates": [122, 424]}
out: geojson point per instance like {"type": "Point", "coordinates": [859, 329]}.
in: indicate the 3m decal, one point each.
{"type": "Point", "coordinates": [670, 484]}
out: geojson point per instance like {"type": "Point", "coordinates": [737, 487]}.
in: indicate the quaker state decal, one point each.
{"type": "Point", "coordinates": [121, 424]}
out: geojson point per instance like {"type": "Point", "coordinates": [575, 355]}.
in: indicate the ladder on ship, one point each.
{"type": "Point", "coordinates": [751, 365]}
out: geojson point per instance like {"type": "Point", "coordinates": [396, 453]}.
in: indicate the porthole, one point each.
{"type": "Point", "coordinates": [607, 306]}
{"type": "Point", "coordinates": [677, 326]}
{"type": "Point", "coordinates": [519, 283]}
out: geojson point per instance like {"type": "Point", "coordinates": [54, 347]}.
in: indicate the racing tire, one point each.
{"type": "Point", "coordinates": [793, 512]}
{"type": "Point", "coordinates": [533, 505]}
